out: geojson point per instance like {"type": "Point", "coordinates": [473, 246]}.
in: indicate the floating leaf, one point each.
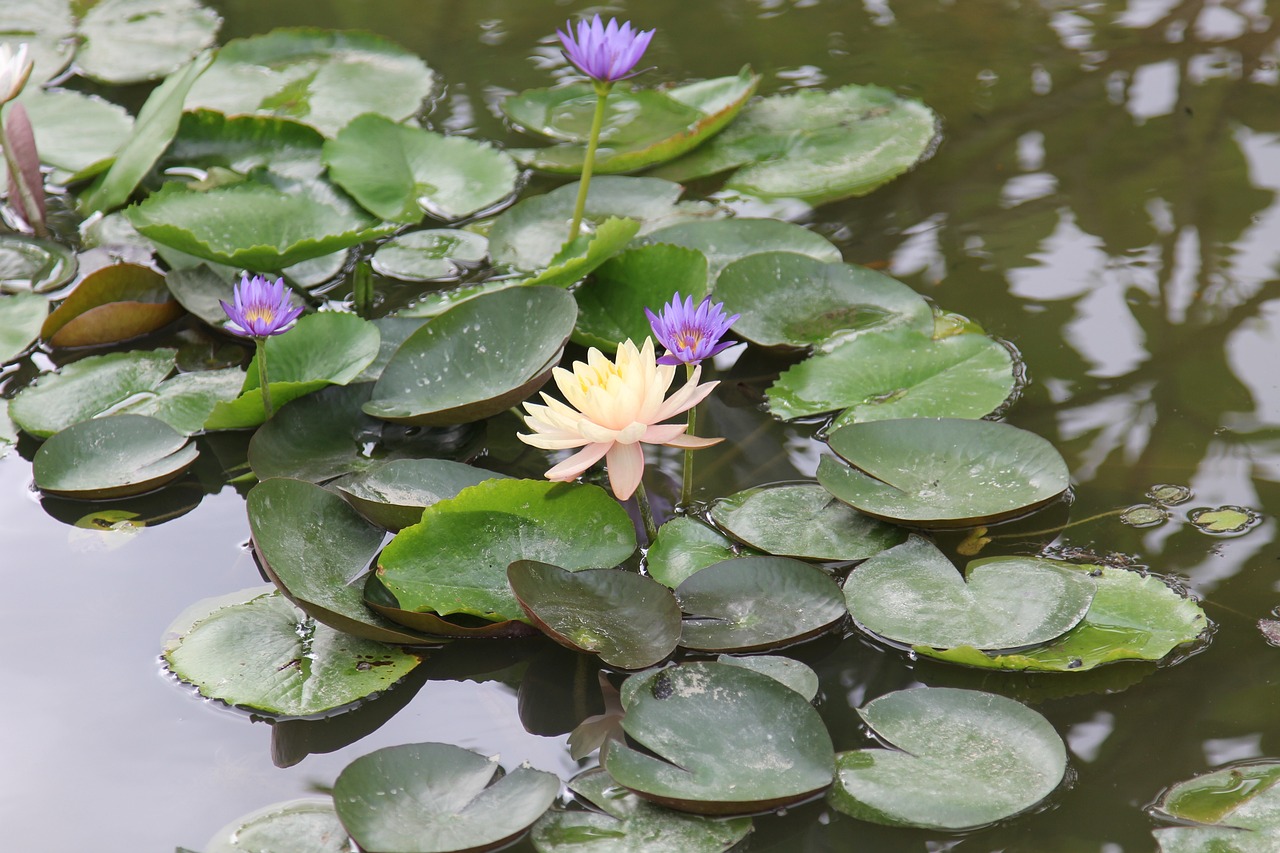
{"type": "Point", "coordinates": [21, 316]}
{"type": "Point", "coordinates": [588, 252]}
{"type": "Point", "coordinates": [455, 560]}
{"type": "Point", "coordinates": [963, 759]}
{"type": "Point", "coordinates": [1223, 520]}
{"type": "Point", "coordinates": [611, 304]}
{"type": "Point", "coordinates": [942, 472]}
{"type": "Point", "coordinates": [685, 545]}
{"type": "Point", "coordinates": [724, 241]}
{"type": "Point", "coordinates": [113, 304]}
{"type": "Point", "coordinates": [308, 825]}
{"type": "Point", "coordinates": [256, 650]}
{"type": "Point", "coordinates": [31, 265]}
{"type": "Point", "coordinates": [186, 400]}
{"type": "Point", "coordinates": [630, 621]}
{"type": "Point", "coordinates": [394, 494]}
{"type": "Point", "coordinates": [438, 254]}
{"type": "Point", "coordinates": [1237, 807]}
{"type": "Point", "coordinates": [209, 141]}
{"type": "Point", "coordinates": [1169, 495]}
{"type": "Point", "coordinates": [88, 387]}
{"type": "Point", "coordinates": [112, 457]}
{"type": "Point", "coordinates": [47, 29]}
{"type": "Point", "coordinates": [381, 600]}
{"type": "Point", "coordinates": [76, 134]}
{"type": "Point", "coordinates": [129, 41]}
{"type": "Point", "coordinates": [804, 521]}
{"type": "Point", "coordinates": [783, 670]}
{"type": "Point", "coordinates": [1144, 515]}
{"type": "Point", "coordinates": [438, 798]}
{"type": "Point", "coordinates": [725, 740]}
{"type": "Point", "coordinates": [201, 291]}
{"type": "Point", "coordinates": [476, 359]}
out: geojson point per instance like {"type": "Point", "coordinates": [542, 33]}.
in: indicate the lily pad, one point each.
{"type": "Point", "coordinates": [783, 670]}
{"type": "Point", "coordinates": [113, 304]}
{"type": "Point", "coordinates": [88, 387]}
{"type": "Point", "coordinates": [308, 825]}
{"type": "Point", "coordinates": [942, 472]}
{"type": "Point", "coordinates": [462, 626]}
{"type": "Point", "coordinates": [684, 546]}
{"type": "Point", "coordinates": [324, 79]}
{"type": "Point", "coordinates": [630, 621]}
{"type": "Point", "coordinates": [752, 603]}
{"type": "Point", "coordinates": [583, 255]}
{"type": "Point", "coordinates": [129, 41]}
{"type": "Point", "coordinates": [1237, 809]}
{"type": "Point", "coordinates": [186, 400]}
{"type": "Point", "coordinates": [47, 29]}
{"type": "Point", "coordinates": [28, 264]}
{"type": "Point", "coordinates": [21, 316]}
{"type": "Point", "coordinates": [476, 359]}
{"type": "Point", "coordinates": [611, 305]}
{"type": "Point", "coordinates": [111, 457]}
{"type": "Point", "coordinates": [913, 594]}
{"type": "Point", "coordinates": [208, 141]}
{"type": "Point", "coordinates": [724, 241]}
{"type": "Point", "coordinates": [394, 494]}
{"type": "Point", "coordinates": [455, 560]}
{"type": "Point", "coordinates": [255, 650]}
{"type": "Point", "coordinates": [317, 550]}
{"type": "Point", "coordinates": [641, 128]}
{"type": "Point", "coordinates": [400, 172]}
{"type": "Point", "coordinates": [803, 521]}
{"type": "Point", "coordinates": [201, 291]}
{"type": "Point", "coordinates": [725, 740]}
{"type": "Point", "coordinates": [963, 759]}
{"type": "Point", "coordinates": [439, 254]}
{"type": "Point", "coordinates": [438, 798]}
{"type": "Point", "coordinates": [628, 824]}
{"type": "Point", "coordinates": [790, 300]}
{"type": "Point", "coordinates": [77, 134]}
{"type": "Point", "coordinates": [816, 146]}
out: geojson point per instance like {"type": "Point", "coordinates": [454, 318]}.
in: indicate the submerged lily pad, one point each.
{"type": "Point", "coordinates": [963, 759]}
{"type": "Point", "coordinates": [308, 825]}
{"type": "Point", "coordinates": [113, 304]}
{"type": "Point", "coordinates": [254, 649]}
{"type": "Point", "coordinates": [725, 740]}
{"type": "Point", "coordinates": [611, 305]}
{"type": "Point", "coordinates": [28, 264]}
{"type": "Point", "coordinates": [684, 546]}
{"type": "Point", "coordinates": [438, 254]}
{"type": "Point", "coordinates": [1237, 809]}
{"type": "Point", "coordinates": [394, 494]}
{"type": "Point", "coordinates": [111, 457]}
{"type": "Point", "coordinates": [802, 520]}
{"type": "Point", "coordinates": [942, 472]}
{"type": "Point", "coordinates": [724, 241]}
{"type": "Point", "coordinates": [21, 316]}
{"type": "Point", "coordinates": [130, 41]}
{"type": "Point", "coordinates": [438, 798]}
{"type": "Point", "coordinates": [88, 387]}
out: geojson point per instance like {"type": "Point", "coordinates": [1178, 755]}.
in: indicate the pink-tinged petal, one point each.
{"type": "Point", "coordinates": [692, 442]}
{"type": "Point", "coordinates": [626, 466]}
{"type": "Point", "coordinates": [685, 399]}
{"type": "Point", "coordinates": [578, 462]}
{"type": "Point", "coordinates": [662, 433]}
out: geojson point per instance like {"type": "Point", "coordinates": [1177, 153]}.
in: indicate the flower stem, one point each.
{"type": "Point", "coordinates": [646, 513]}
{"type": "Point", "coordinates": [261, 344]}
{"type": "Point", "coordinates": [686, 491]}
{"type": "Point", "coordinates": [597, 121]}
{"type": "Point", "coordinates": [362, 289]}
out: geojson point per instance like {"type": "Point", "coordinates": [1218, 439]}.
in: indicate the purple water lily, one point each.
{"type": "Point", "coordinates": [605, 53]}
{"type": "Point", "coordinates": [690, 334]}
{"type": "Point", "coordinates": [261, 309]}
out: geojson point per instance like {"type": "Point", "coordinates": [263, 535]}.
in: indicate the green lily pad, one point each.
{"type": "Point", "coordinates": [790, 300]}
{"type": "Point", "coordinates": [684, 546]}
{"type": "Point", "coordinates": [1237, 809]}
{"type": "Point", "coordinates": [324, 79]}
{"type": "Point", "coordinates": [611, 304]}
{"type": "Point", "coordinates": [630, 621]}
{"type": "Point", "coordinates": [21, 316]}
{"type": "Point", "coordinates": [963, 759]}
{"type": "Point", "coordinates": [88, 387]}
{"type": "Point", "coordinates": [750, 603]}
{"type": "Point", "coordinates": [724, 241]}
{"type": "Point", "coordinates": [111, 457]}
{"type": "Point", "coordinates": [942, 472]}
{"type": "Point", "coordinates": [627, 824]}
{"type": "Point", "coordinates": [586, 253]}
{"type": "Point", "coordinates": [394, 331]}
{"type": "Point", "coordinates": [816, 146]}
{"type": "Point", "coordinates": [1223, 520]}
{"type": "Point", "coordinates": [200, 290]}
{"type": "Point", "coordinates": [477, 359]}
{"type": "Point", "coordinates": [47, 29]}
{"type": "Point", "coordinates": [380, 599]}
{"type": "Point", "coordinates": [641, 128]}
{"type": "Point", "coordinates": [725, 740]}
{"type": "Point", "coordinates": [455, 560]}
{"type": "Point", "coordinates": [77, 134]}
{"type": "Point", "coordinates": [28, 264]}
{"type": "Point", "coordinates": [439, 254]}
{"type": "Point", "coordinates": [1132, 617]}
{"type": "Point", "coordinates": [308, 825]}
{"type": "Point", "coordinates": [394, 494]}
{"type": "Point", "coordinates": [913, 594]}
{"type": "Point", "coordinates": [255, 650]}
{"type": "Point", "coordinates": [400, 172]}
{"type": "Point", "coordinates": [210, 141]}
{"type": "Point", "coordinates": [186, 400]}
{"type": "Point", "coordinates": [129, 41]}
{"type": "Point", "coordinates": [783, 670]}
{"type": "Point", "coordinates": [317, 550]}
{"type": "Point", "coordinates": [112, 304]}
{"type": "Point", "coordinates": [803, 521]}
{"type": "Point", "coordinates": [438, 798]}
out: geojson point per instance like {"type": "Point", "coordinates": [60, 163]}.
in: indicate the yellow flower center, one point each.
{"type": "Point", "coordinates": [259, 312]}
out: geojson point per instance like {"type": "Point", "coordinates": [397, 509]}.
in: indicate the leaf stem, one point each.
{"type": "Point", "coordinates": [597, 121]}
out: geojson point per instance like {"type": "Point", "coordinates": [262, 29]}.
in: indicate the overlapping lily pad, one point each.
{"type": "Point", "coordinates": [129, 41]}
{"type": "Point", "coordinates": [694, 716]}
{"type": "Point", "coordinates": [963, 759]}
{"type": "Point", "coordinates": [21, 316]}
{"type": "Point", "coordinates": [76, 134]}
{"type": "Point", "coordinates": [113, 304]}
{"type": "Point", "coordinates": [684, 546]}
{"type": "Point", "coordinates": [318, 437]}
{"type": "Point", "coordinates": [28, 264]}
{"type": "Point", "coordinates": [88, 387]}
{"type": "Point", "coordinates": [438, 798]}
{"type": "Point", "coordinates": [209, 141]}
{"type": "Point", "coordinates": [783, 670]}
{"type": "Point", "coordinates": [588, 251]}
{"type": "Point", "coordinates": [476, 359]}
{"type": "Point", "coordinates": [308, 825]}
{"type": "Point", "coordinates": [48, 30]}
{"type": "Point", "coordinates": [611, 305]}
{"type": "Point", "coordinates": [186, 400]}
{"type": "Point", "coordinates": [437, 254]}
{"type": "Point", "coordinates": [394, 494]}
{"type": "Point", "coordinates": [724, 241]}
{"type": "Point", "coordinates": [112, 457]}
{"type": "Point", "coordinates": [1234, 809]}
{"type": "Point", "coordinates": [942, 472]}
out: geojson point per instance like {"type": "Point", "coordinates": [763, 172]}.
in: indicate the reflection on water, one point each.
{"type": "Point", "coordinates": [1105, 199]}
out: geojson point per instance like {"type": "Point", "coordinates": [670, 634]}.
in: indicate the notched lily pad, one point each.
{"type": "Point", "coordinates": [1235, 809]}
{"type": "Point", "coordinates": [394, 494]}
{"type": "Point", "coordinates": [130, 41]}
{"type": "Point", "coordinates": [438, 254]}
{"type": "Point", "coordinates": [723, 241]}
{"type": "Point", "coordinates": [1223, 520]}
{"type": "Point", "coordinates": [88, 387]}
{"type": "Point", "coordinates": [113, 304]}
{"type": "Point", "coordinates": [684, 546]}
{"type": "Point", "coordinates": [111, 457]}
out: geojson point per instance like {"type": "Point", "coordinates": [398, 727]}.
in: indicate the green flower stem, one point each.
{"type": "Point", "coordinates": [18, 182]}
{"type": "Point", "coordinates": [362, 289]}
{"type": "Point", "coordinates": [261, 344]}
{"type": "Point", "coordinates": [597, 121]}
{"type": "Point", "coordinates": [686, 490]}
{"type": "Point", "coordinates": [646, 513]}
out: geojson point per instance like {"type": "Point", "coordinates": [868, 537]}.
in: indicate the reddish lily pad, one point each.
{"type": "Point", "coordinates": [113, 304]}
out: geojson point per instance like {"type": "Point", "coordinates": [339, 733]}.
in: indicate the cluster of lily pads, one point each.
{"type": "Point", "coordinates": [301, 153]}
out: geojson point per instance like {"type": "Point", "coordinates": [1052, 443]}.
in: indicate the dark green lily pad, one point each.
{"type": "Point", "coordinates": [611, 304]}
{"type": "Point", "coordinates": [201, 291]}
{"type": "Point", "coordinates": [783, 670]}
{"type": "Point", "coordinates": [400, 172]}
{"type": "Point", "coordinates": [21, 316]}
{"type": "Point", "coordinates": [694, 715]}
{"type": "Point", "coordinates": [439, 254]}
{"type": "Point", "coordinates": [1132, 617]}
{"type": "Point", "coordinates": [1237, 809]}
{"type": "Point", "coordinates": [963, 759]}
{"type": "Point", "coordinates": [86, 388]}
{"type": "Point", "coordinates": [438, 798]}
{"type": "Point", "coordinates": [628, 824]}
{"type": "Point", "coordinates": [317, 550]}
{"type": "Point", "coordinates": [942, 472]}
{"type": "Point", "coordinates": [308, 825]}
{"type": "Point", "coordinates": [642, 127]}
{"type": "Point", "coordinates": [209, 141]}
{"type": "Point", "coordinates": [816, 146]}
{"type": "Point", "coordinates": [455, 560]}
{"type": "Point", "coordinates": [750, 603]}
{"type": "Point", "coordinates": [186, 400]}
{"type": "Point", "coordinates": [802, 520]}
{"type": "Point", "coordinates": [28, 264]}
{"type": "Point", "coordinates": [724, 241]}
{"type": "Point", "coordinates": [77, 134]}
{"type": "Point", "coordinates": [129, 41]}
{"type": "Point", "coordinates": [324, 79]}
{"type": "Point", "coordinates": [476, 359]}
{"type": "Point", "coordinates": [394, 331]}
{"type": "Point", "coordinates": [684, 546]}
{"type": "Point", "coordinates": [790, 300]}
{"type": "Point", "coordinates": [394, 494]}
{"type": "Point", "coordinates": [111, 457]}
{"type": "Point", "coordinates": [47, 29]}
{"type": "Point", "coordinates": [380, 599]}
{"type": "Point", "coordinates": [913, 594]}
{"type": "Point", "coordinates": [113, 304]}
{"type": "Point", "coordinates": [630, 621]}
{"type": "Point", "coordinates": [255, 650]}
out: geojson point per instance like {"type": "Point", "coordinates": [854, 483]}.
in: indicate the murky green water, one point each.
{"type": "Point", "coordinates": [1105, 199]}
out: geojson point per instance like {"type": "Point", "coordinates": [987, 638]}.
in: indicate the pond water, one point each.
{"type": "Point", "coordinates": [1104, 199]}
